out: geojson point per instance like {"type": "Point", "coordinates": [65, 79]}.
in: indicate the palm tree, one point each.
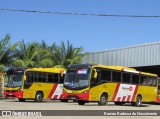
{"type": "Point", "coordinates": [44, 56]}
{"type": "Point", "coordinates": [67, 55]}
{"type": "Point", "coordinates": [7, 52]}
{"type": "Point", "coordinates": [26, 54]}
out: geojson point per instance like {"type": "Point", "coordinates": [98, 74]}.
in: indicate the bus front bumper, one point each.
{"type": "Point", "coordinates": [72, 96]}
{"type": "Point", "coordinates": [14, 94]}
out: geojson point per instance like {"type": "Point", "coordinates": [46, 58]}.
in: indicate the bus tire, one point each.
{"type": "Point", "coordinates": [80, 102]}
{"type": "Point", "coordinates": [21, 100]}
{"type": "Point", "coordinates": [38, 97]}
{"type": "Point", "coordinates": [103, 100]}
{"type": "Point", "coordinates": [64, 100]}
{"type": "Point", "coordinates": [138, 102]}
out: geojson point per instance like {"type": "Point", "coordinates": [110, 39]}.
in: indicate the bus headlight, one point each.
{"type": "Point", "coordinates": [64, 91]}
{"type": "Point", "coordinates": [19, 89]}
{"type": "Point", "coordinates": [84, 92]}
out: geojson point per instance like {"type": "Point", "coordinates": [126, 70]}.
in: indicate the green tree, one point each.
{"type": "Point", "coordinates": [7, 52]}
{"type": "Point", "coordinates": [44, 55]}
{"type": "Point", "coordinates": [67, 55]}
{"type": "Point", "coordinates": [26, 55]}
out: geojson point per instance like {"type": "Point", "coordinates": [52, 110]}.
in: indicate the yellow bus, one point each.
{"type": "Point", "coordinates": [42, 83]}
{"type": "Point", "coordinates": [97, 83]}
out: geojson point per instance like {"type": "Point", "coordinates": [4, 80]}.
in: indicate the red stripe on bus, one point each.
{"type": "Point", "coordinates": [55, 97]}
{"type": "Point", "coordinates": [128, 98]}
{"type": "Point", "coordinates": [61, 96]}
{"type": "Point", "coordinates": [123, 99]}
{"type": "Point", "coordinates": [115, 92]}
{"type": "Point", "coordinates": [134, 94]}
{"type": "Point", "coordinates": [52, 91]}
{"type": "Point", "coordinates": [118, 99]}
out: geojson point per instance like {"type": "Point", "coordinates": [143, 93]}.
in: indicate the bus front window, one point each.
{"type": "Point", "coordinates": [76, 79]}
{"type": "Point", "coordinates": [15, 81]}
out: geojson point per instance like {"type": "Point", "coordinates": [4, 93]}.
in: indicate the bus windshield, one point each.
{"type": "Point", "coordinates": [15, 81]}
{"type": "Point", "coordinates": [14, 77]}
{"type": "Point", "coordinates": [77, 79]}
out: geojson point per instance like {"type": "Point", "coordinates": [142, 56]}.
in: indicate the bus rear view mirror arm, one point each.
{"type": "Point", "coordinates": [24, 77]}
{"type": "Point", "coordinates": [95, 73]}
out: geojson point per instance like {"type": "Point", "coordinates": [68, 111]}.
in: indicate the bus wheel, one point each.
{"type": "Point", "coordinates": [103, 100]}
{"type": "Point", "coordinates": [138, 102]}
{"type": "Point", "coordinates": [63, 100]}
{"type": "Point", "coordinates": [38, 97]}
{"type": "Point", "coordinates": [80, 102]}
{"type": "Point", "coordinates": [21, 99]}
{"type": "Point", "coordinates": [119, 103]}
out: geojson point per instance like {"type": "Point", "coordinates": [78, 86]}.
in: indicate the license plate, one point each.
{"type": "Point", "coordinates": [10, 93]}
{"type": "Point", "coordinates": [73, 97]}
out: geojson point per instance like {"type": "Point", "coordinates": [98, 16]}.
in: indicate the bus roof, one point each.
{"type": "Point", "coordinates": [52, 70]}
{"type": "Point", "coordinates": [17, 68]}
{"type": "Point", "coordinates": [119, 68]}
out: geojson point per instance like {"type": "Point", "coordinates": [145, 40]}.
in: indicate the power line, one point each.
{"type": "Point", "coordinates": [80, 14]}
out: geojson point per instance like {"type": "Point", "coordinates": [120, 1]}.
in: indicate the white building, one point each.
{"type": "Point", "coordinates": [142, 57]}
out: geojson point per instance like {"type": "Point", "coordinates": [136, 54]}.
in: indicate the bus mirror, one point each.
{"type": "Point", "coordinates": [62, 73]}
{"type": "Point", "coordinates": [24, 77]}
{"type": "Point", "coordinates": [95, 74]}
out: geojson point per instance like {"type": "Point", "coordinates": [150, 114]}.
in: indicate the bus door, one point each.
{"type": "Point", "coordinates": [28, 92]}
{"type": "Point", "coordinates": [94, 82]}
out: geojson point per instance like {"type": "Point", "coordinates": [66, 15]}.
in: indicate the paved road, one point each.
{"type": "Point", "coordinates": [13, 104]}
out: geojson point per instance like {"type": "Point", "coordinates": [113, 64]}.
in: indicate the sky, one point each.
{"type": "Point", "coordinates": [94, 33]}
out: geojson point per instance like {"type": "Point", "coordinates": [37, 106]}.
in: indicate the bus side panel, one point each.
{"type": "Point", "coordinates": [125, 93]}
{"type": "Point", "coordinates": [31, 91]}
{"type": "Point", "coordinates": [96, 91]}
{"type": "Point", "coordinates": [149, 93]}
{"type": "Point", "coordinates": [56, 92]}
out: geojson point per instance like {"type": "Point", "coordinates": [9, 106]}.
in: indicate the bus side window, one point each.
{"type": "Point", "coordinates": [56, 77]}
{"type": "Point", "coordinates": [143, 80]}
{"type": "Point", "coordinates": [50, 78]}
{"type": "Point", "coordinates": [61, 79]}
{"type": "Point", "coordinates": [150, 81]}
{"type": "Point", "coordinates": [35, 77]}
{"type": "Point", "coordinates": [135, 79]}
{"type": "Point", "coordinates": [126, 77]}
{"type": "Point", "coordinates": [154, 81]}
{"type": "Point", "coordinates": [105, 75]}
{"type": "Point", "coordinates": [29, 80]}
{"type": "Point", "coordinates": [93, 81]}
{"type": "Point", "coordinates": [40, 75]}
{"type": "Point", "coordinates": [44, 78]}
{"type": "Point", "coordinates": [116, 76]}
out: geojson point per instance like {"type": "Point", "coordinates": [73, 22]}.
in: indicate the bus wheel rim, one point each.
{"type": "Point", "coordinates": [38, 97]}
{"type": "Point", "coordinates": [139, 102]}
{"type": "Point", "coordinates": [103, 99]}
